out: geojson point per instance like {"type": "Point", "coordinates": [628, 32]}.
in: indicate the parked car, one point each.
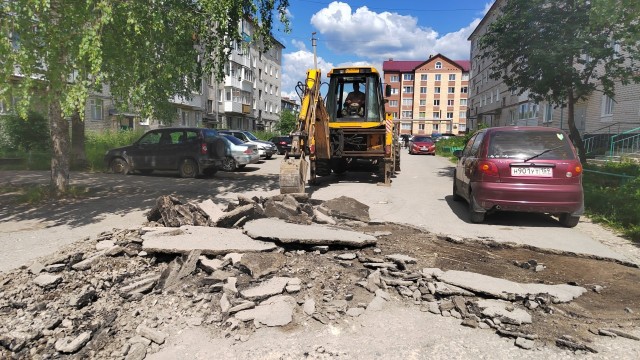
{"type": "Point", "coordinates": [265, 148]}
{"type": "Point", "coordinates": [190, 151]}
{"type": "Point", "coordinates": [529, 169]}
{"type": "Point", "coordinates": [283, 143]}
{"type": "Point", "coordinates": [239, 153]}
{"type": "Point", "coordinates": [442, 136]}
{"type": "Point", "coordinates": [422, 145]}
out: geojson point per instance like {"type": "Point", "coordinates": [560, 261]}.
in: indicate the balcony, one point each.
{"type": "Point", "coordinates": [246, 109]}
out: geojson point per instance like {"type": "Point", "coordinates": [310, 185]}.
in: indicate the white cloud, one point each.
{"type": "Point", "coordinates": [379, 36]}
{"type": "Point", "coordinates": [294, 69]}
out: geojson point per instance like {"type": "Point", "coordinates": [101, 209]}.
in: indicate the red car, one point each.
{"type": "Point", "coordinates": [528, 169]}
{"type": "Point", "coordinates": [422, 145]}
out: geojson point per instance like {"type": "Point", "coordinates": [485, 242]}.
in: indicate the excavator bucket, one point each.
{"type": "Point", "coordinates": [293, 175]}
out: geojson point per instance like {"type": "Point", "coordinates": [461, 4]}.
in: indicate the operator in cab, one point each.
{"type": "Point", "coordinates": [354, 104]}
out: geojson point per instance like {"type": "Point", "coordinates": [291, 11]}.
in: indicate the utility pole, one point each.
{"type": "Point", "coordinates": [314, 45]}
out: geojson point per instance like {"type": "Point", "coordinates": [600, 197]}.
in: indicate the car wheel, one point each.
{"type": "Point", "coordinates": [210, 171]}
{"type": "Point", "coordinates": [456, 197]}
{"type": "Point", "coordinates": [568, 220]}
{"type": "Point", "coordinates": [229, 164]}
{"type": "Point", "coordinates": [188, 168]}
{"type": "Point", "coordinates": [268, 157]}
{"type": "Point", "coordinates": [119, 166]}
{"type": "Point", "coordinates": [476, 217]}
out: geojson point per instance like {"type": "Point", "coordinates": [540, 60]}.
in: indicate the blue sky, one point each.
{"type": "Point", "coordinates": [370, 32]}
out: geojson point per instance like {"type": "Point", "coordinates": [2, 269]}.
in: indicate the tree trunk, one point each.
{"type": "Point", "coordinates": [78, 154]}
{"type": "Point", "coordinates": [576, 138]}
{"type": "Point", "coordinates": [59, 148]}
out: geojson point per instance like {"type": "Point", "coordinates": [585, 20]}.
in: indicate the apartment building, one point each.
{"type": "Point", "coordinates": [290, 104]}
{"type": "Point", "coordinates": [248, 98]}
{"type": "Point", "coordinates": [428, 96]}
{"type": "Point", "coordinates": [492, 103]}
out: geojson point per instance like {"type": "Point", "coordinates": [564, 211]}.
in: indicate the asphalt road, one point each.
{"type": "Point", "coordinates": [420, 195]}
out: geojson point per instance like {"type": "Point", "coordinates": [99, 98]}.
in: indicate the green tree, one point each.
{"type": "Point", "coordinates": [562, 51]}
{"type": "Point", "coordinates": [146, 51]}
{"type": "Point", "coordinates": [288, 122]}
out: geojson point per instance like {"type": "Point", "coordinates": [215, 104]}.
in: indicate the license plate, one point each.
{"type": "Point", "coordinates": [531, 171]}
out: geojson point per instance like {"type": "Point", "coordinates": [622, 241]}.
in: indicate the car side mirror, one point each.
{"type": "Point", "coordinates": [457, 153]}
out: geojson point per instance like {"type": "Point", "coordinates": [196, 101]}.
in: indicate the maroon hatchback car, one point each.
{"type": "Point", "coordinates": [422, 145]}
{"type": "Point", "coordinates": [528, 169]}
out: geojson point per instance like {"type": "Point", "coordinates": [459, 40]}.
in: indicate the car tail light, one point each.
{"type": "Point", "coordinates": [203, 149]}
{"type": "Point", "coordinates": [283, 143]}
{"type": "Point", "coordinates": [312, 149]}
{"type": "Point", "coordinates": [575, 169]}
{"type": "Point", "coordinates": [248, 151]}
{"type": "Point", "coordinates": [488, 168]}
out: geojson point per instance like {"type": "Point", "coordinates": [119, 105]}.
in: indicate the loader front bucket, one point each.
{"type": "Point", "coordinates": [293, 175]}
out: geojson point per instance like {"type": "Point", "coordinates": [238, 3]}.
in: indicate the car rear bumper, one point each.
{"type": "Point", "coordinates": [539, 198]}
{"type": "Point", "coordinates": [247, 159]}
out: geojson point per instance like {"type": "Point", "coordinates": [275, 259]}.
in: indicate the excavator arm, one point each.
{"type": "Point", "coordinates": [309, 139]}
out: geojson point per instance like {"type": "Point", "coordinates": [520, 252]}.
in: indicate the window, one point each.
{"type": "Point", "coordinates": [96, 109]}
{"type": "Point", "coordinates": [463, 102]}
{"type": "Point", "coordinates": [407, 89]}
{"type": "Point", "coordinates": [436, 127]}
{"type": "Point", "coordinates": [407, 114]}
{"type": "Point", "coordinates": [393, 103]}
{"type": "Point", "coordinates": [438, 65]}
{"type": "Point", "coordinates": [407, 77]}
{"type": "Point", "coordinates": [465, 77]}
{"type": "Point", "coordinates": [452, 77]}
{"type": "Point", "coordinates": [436, 90]}
{"type": "Point", "coordinates": [421, 127]}
{"type": "Point", "coordinates": [423, 89]}
{"type": "Point", "coordinates": [462, 127]}
{"type": "Point", "coordinates": [405, 126]}
{"type": "Point", "coordinates": [607, 106]}
{"type": "Point", "coordinates": [422, 115]}
{"type": "Point", "coordinates": [451, 90]}
{"type": "Point", "coordinates": [449, 115]}
{"type": "Point", "coordinates": [438, 77]}
{"type": "Point", "coordinates": [407, 102]}
{"type": "Point", "coordinates": [436, 114]}
{"type": "Point", "coordinates": [423, 77]}
{"type": "Point", "coordinates": [394, 115]}
{"type": "Point", "coordinates": [462, 115]}
{"type": "Point", "coordinates": [394, 91]}
{"type": "Point", "coordinates": [423, 102]}
{"type": "Point", "coordinates": [548, 113]}
{"type": "Point", "coordinates": [436, 102]}
{"type": "Point", "coordinates": [394, 78]}
{"type": "Point", "coordinates": [464, 89]}
{"type": "Point", "coordinates": [450, 102]}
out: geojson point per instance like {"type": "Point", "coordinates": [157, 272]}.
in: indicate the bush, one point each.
{"type": "Point", "coordinates": [25, 135]}
{"type": "Point", "coordinates": [613, 200]}
{"type": "Point", "coordinates": [97, 144]}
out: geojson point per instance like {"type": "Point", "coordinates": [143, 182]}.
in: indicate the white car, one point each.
{"type": "Point", "coordinates": [266, 149]}
{"type": "Point", "coordinates": [239, 153]}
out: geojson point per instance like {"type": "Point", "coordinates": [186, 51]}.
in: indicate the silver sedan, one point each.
{"type": "Point", "coordinates": [239, 153]}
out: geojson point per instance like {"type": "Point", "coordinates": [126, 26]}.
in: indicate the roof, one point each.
{"type": "Point", "coordinates": [411, 65]}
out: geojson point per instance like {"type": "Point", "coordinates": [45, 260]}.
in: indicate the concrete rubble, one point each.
{"type": "Point", "coordinates": [237, 270]}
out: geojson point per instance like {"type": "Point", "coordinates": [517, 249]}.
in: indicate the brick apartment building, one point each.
{"type": "Point", "coordinates": [428, 96]}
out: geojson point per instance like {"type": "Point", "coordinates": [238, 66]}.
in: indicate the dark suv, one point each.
{"type": "Point", "coordinates": [190, 151]}
{"type": "Point", "coordinates": [283, 143]}
{"type": "Point", "coordinates": [528, 169]}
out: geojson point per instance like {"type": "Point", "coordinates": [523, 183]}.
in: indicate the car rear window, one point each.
{"type": "Point", "coordinates": [525, 144]}
{"type": "Point", "coordinates": [233, 139]}
{"type": "Point", "coordinates": [210, 134]}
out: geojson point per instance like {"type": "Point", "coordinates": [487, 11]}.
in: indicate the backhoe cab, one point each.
{"type": "Point", "coordinates": [350, 129]}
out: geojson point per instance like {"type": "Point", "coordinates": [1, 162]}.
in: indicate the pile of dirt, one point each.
{"type": "Point", "coordinates": [117, 296]}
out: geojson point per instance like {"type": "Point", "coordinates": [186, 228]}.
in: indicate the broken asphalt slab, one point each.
{"type": "Point", "coordinates": [314, 234]}
{"type": "Point", "coordinates": [507, 290]}
{"type": "Point", "coordinates": [209, 240]}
